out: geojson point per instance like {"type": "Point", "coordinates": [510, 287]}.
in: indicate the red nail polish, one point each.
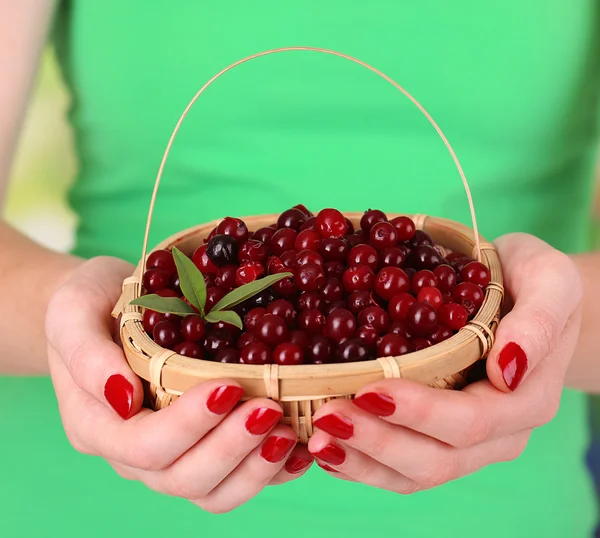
{"type": "Point", "coordinates": [276, 448]}
{"type": "Point", "coordinates": [295, 465]}
{"type": "Point", "coordinates": [336, 425]}
{"type": "Point", "coordinates": [378, 404]}
{"type": "Point", "coordinates": [223, 399]}
{"type": "Point", "coordinates": [119, 394]}
{"type": "Point", "coordinates": [331, 454]}
{"type": "Point", "coordinates": [261, 420]}
{"type": "Point", "coordinates": [326, 467]}
{"type": "Point", "coordinates": [513, 363]}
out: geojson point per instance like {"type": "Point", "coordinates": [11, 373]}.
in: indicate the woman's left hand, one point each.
{"type": "Point", "coordinates": [404, 437]}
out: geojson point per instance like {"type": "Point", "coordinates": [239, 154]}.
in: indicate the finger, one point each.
{"type": "Point", "coordinates": [546, 289]}
{"type": "Point", "coordinates": [298, 462]}
{"type": "Point", "coordinates": [79, 329]}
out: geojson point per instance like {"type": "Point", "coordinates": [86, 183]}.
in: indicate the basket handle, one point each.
{"type": "Point", "coordinates": [312, 49]}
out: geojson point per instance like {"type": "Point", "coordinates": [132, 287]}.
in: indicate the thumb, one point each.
{"type": "Point", "coordinates": [545, 287]}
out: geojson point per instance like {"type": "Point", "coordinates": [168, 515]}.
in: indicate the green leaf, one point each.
{"type": "Point", "coordinates": [165, 305]}
{"type": "Point", "coordinates": [226, 316]}
{"type": "Point", "coordinates": [191, 280]}
{"type": "Point", "coordinates": [239, 295]}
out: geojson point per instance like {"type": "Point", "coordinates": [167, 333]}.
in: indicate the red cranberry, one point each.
{"type": "Point", "coordinates": [370, 218]}
{"type": "Point", "coordinates": [334, 269]}
{"type": "Point", "coordinates": [405, 228]}
{"type": "Point", "coordinates": [213, 296]}
{"type": "Point", "coordinates": [248, 272]}
{"type": "Point", "coordinates": [304, 210]}
{"type": "Point", "coordinates": [275, 266]}
{"type": "Point", "coordinates": [255, 353]}
{"type": "Point", "coordinates": [253, 316]}
{"type": "Point", "coordinates": [264, 234]}
{"type": "Point", "coordinates": [399, 306]}
{"type": "Point", "coordinates": [166, 292]}
{"type": "Point", "coordinates": [288, 354]}
{"type": "Point", "coordinates": [209, 280]}
{"type": "Point", "coordinates": [150, 319]}
{"type": "Point", "coordinates": [271, 329]}
{"type": "Point", "coordinates": [358, 300]}
{"type": "Point", "coordinates": [189, 349]}
{"type": "Point", "coordinates": [350, 226]}
{"type": "Point", "coordinates": [235, 228]}
{"type": "Point", "coordinates": [333, 290]}
{"type": "Point", "coordinates": [310, 224]}
{"type": "Point", "coordinates": [253, 251]}
{"type": "Point", "coordinates": [424, 257]}
{"type": "Point", "coordinates": [446, 277]}
{"type": "Point", "coordinates": [340, 325]}
{"type": "Point", "coordinates": [453, 315]}
{"type": "Point", "coordinates": [193, 328]}
{"type": "Point", "coordinates": [391, 257]}
{"type": "Point", "coordinates": [264, 299]}
{"type": "Point", "coordinates": [284, 309]}
{"type": "Point", "coordinates": [357, 238]}
{"type": "Point", "coordinates": [292, 218]}
{"type": "Point", "coordinates": [210, 235]}
{"type": "Point", "coordinates": [420, 238]}
{"type": "Point", "coordinates": [312, 321]}
{"type": "Point", "coordinates": [176, 284]}
{"type": "Point", "coordinates": [308, 256]}
{"type": "Point", "coordinates": [442, 333]}
{"type": "Point", "coordinates": [422, 319]}
{"type": "Point", "coordinates": [309, 300]}
{"type": "Point", "coordinates": [217, 340]}
{"type": "Point", "coordinates": [363, 255]}
{"type": "Point", "coordinates": [383, 235]}
{"type": "Point", "coordinates": [162, 259]}
{"type": "Point", "coordinates": [288, 258]}
{"type": "Point", "coordinates": [392, 345]}
{"type": "Point", "coordinates": [391, 281]}
{"type": "Point", "coordinates": [156, 279]}
{"type": "Point", "coordinates": [460, 263]}
{"type": "Point", "coordinates": [353, 350]}
{"type": "Point", "coordinates": [228, 355]}
{"type": "Point", "coordinates": [225, 277]}
{"type": "Point", "coordinates": [319, 350]}
{"type": "Point", "coordinates": [286, 287]}
{"type": "Point", "coordinates": [360, 277]}
{"type": "Point", "coordinates": [334, 249]}
{"type": "Point", "coordinates": [283, 240]}
{"type": "Point", "coordinates": [375, 316]}
{"type": "Point", "coordinates": [310, 277]}
{"type": "Point", "coordinates": [368, 334]}
{"type": "Point", "coordinates": [166, 334]}
{"type": "Point", "coordinates": [307, 240]}
{"type": "Point", "coordinates": [452, 256]}
{"type": "Point", "coordinates": [331, 223]}
{"type": "Point", "coordinates": [334, 306]}
{"type": "Point", "coordinates": [432, 296]}
{"type": "Point", "coordinates": [423, 279]}
{"type": "Point", "coordinates": [298, 338]}
{"type": "Point", "coordinates": [419, 343]}
{"type": "Point", "coordinates": [399, 327]}
{"type": "Point", "coordinates": [477, 273]}
{"type": "Point", "coordinates": [222, 250]}
{"type": "Point", "coordinates": [232, 329]}
{"type": "Point", "coordinates": [469, 295]}
{"type": "Point", "coordinates": [245, 339]}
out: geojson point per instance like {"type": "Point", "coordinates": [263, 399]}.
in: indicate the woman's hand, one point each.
{"type": "Point", "coordinates": [404, 437]}
{"type": "Point", "coordinates": [197, 448]}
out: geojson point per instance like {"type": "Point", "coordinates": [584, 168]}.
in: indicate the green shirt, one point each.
{"type": "Point", "coordinates": [513, 85]}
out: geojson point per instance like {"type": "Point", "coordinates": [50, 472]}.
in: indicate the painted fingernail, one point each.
{"type": "Point", "coordinates": [119, 394]}
{"type": "Point", "coordinates": [276, 448]}
{"type": "Point", "coordinates": [223, 399]}
{"type": "Point", "coordinates": [261, 420]}
{"type": "Point", "coordinates": [295, 465]}
{"type": "Point", "coordinates": [513, 363]}
{"type": "Point", "coordinates": [331, 453]}
{"type": "Point", "coordinates": [376, 403]}
{"type": "Point", "coordinates": [336, 425]}
{"type": "Point", "coordinates": [326, 467]}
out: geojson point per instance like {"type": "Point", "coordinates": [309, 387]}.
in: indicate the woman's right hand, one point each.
{"type": "Point", "coordinates": [197, 448]}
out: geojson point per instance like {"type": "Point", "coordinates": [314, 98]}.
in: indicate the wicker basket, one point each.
{"type": "Point", "coordinates": [303, 389]}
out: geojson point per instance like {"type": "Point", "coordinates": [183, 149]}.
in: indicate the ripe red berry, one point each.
{"type": "Point", "coordinates": [358, 300]}
{"type": "Point", "coordinates": [288, 258]}
{"type": "Point", "coordinates": [225, 277]}
{"type": "Point", "coordinates": [432, 296]}
{"type": "Point", "coordinates": [176, 284]}
{"type": "Point", "coordinates": [399, 327]}
{"type": "Point", "coordinates": [405, 228]}
{"type": "Point", "coordinates": [228, 355]}
{"type": "Point", "coordinates": [310, 224]}
{"type": "Point", "coordinates": [312, 321]}
{"type": "Point", "coordinates": [420, 238]}
{"type": "Point", "coordinates": [193, 328]}
{"type": "Point", "coordinates": [363, 255]}
{"type": "Point", "coordinates": [424, 257]}
{"type": "Point", "coordinates": [166, 334]}
{"type": "Point", "coordinates": [334, 306]}
{"type": "Point", "coordinates": [469, 295]}
{"type": "Point", "coordinates": [189, 349]}
{"type": "Point", "coordinates": [253, 251]}
{"type": "Point", "coordinates": [422, 319]}
{"type": "Point", "coordinates": [353, 350]}
{"type": "Point", "coordinates": [284, 309]}
{"type": "Point", "coordinates": [308, 256]}
{"type": "Point", "coordinates": [333, 290]}
{"type": "Point", "coordinates": [446, 277]}
{"type": "Point", "coordinates": [419, 343]}
{"type": "Point", "coordinates": [310, 277]}
{"type": "Point", "coordinates": [202, 261]}
{"type": "Point", "coordinates": [370, 218]}
{"type": "Point", "coordinates": [340, 324]}
{"type": "Point", "coordinates": [292, 218]}
{"type": "Point", "coordinates": [359, 277]}
{"type": "Point", "coordinates": [350, 226]}
{"type": "Point", "coordinates": [383, 235]}
{"type": "Point", "coordinates": [166, 292]}
{"type": "Point", "coordinates": [331, 223]}
{"type": "Point", "coordinates": [162, 259]}
{"type": "Point", "coordinates": [249, 272]}
{"type": "Point", "coordinates": [216, 340]}
{"type": "Point", "coordinates": [357, 238]}
{"type": "Point", "coordinates": [391, 281]}
{"type": "Point", "coordinates": [399, 306]}
{"type": "Point", "coordinates": [334, 249]}
{"type": "Point", "coordinates": [453, 315]}
{"type": "Point", "coordinates": [423, 279]}
{"type": "Point", "coordinates": [255, 353]}
{"type": "Point", "coordinates": [375, 316]}
{"type": "Point", "coordinates": [392, 345]}
{"type": "Point", "coordinates": [253, 316]}
{"type": "Point", "coordinates": [459, 263]}
{"type": "Point", "coordinates": [320, 350]}
{"type": "Point", "coordinates": [150, 318]}
{"type": "Point", "coordinates": [288, 354]}
{"type": "Point", "coordinates": [263, 234]}
{"type": "Point", "coordinates": [156, 279]}
{"type": "Point", "coordinates": [286, 287]}
{"type": "Point", "coordinates": [368, 334]}
{"type": "Point", "coordinates": [334, 269]}
{"type": "Point", "coordinates": [477, 273]}
{"type": "Point", "coordinates": [275, 265]}
{"type": "Point", "coordinates": [392, 256]}
{"type": "Point", "coordinates": [298, 338]}
{"type": "Point", "coordinates": [441, 333]}
{"type": "Point", "coordinates": [236, 228]}
{"type": "Point", "coordinates": [307, 240]}
{"type": "Point", "coordinates": [304, 210]}
{"type": "Point", "coordinates": [245, 339]}
{"type": "Point", "coordinates": [283, 240]}
{"type": "Point", "coordinates": [271, 329]}
{"type": "Point", "coordinates": [213, 296]}
{"type": "Point", "coordinates": [309, 300]}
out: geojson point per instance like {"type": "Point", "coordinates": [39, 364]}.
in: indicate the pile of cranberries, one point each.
{"type": "Point", "coordinates": [383, 290]}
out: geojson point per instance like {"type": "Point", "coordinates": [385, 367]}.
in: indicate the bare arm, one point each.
{"type": "Point", "coordinates": [29, 274]}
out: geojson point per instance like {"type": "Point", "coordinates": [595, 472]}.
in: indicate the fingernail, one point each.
{"type": "Point", "coordinates": [331, 454]}
{"type": "Point", "coordinates": [336, 425]}
{"type": "Point", "coordinates": [223, 399]}
{"type": "Point", "coordinates": [275, 448]}
{"type": "Point", "coordinates": [326, 467]}
{"type": "Point", "coordinates": [119, 394]}
{"type": "Point", "coordinates": [295, 465]}
{"type": "Point", "coordinates": [261, 420]}
{"type": "Point", "coordinates": [378, 404]}
{"type": "Point", "coordinates": [513, 363]}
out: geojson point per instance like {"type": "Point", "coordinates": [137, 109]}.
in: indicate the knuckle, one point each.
{"type": "Point", "coordinates": [76, 441]}
{"type": "Point", "coordinates": [183, 487]}
{"type": "Point", "coordinates": [547, 410]}
{"type": "Point", "coordinates": [517, 447]}
{"type": "Point", "coordinates": [145, 458]}
{"type": "Point", "coordinates": [441, 469]}
{"type": "Point", "coordinates": [478, 430]}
